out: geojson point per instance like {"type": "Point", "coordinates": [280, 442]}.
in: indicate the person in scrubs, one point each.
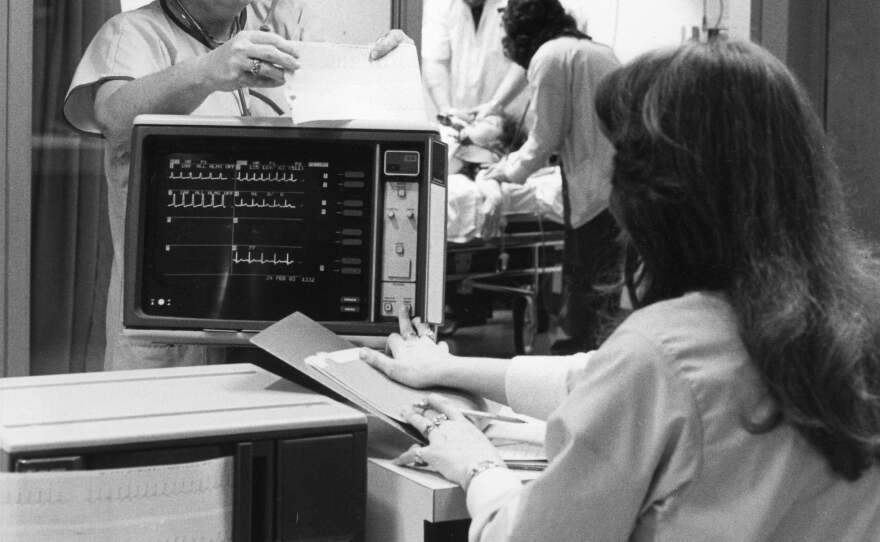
{"type": "Point", "coordinates": [200, 57]}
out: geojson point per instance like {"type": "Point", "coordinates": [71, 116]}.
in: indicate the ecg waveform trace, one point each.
{"type": "Point", "coordinates": [191, 199]}
{"type": "Point", "coordinates": [250, 258]}
{"type": "Point", "coordinates": [243, 228]}
{"type": "Point", "coordinates": [217, 199]}
{"type": "Point", "coordinates": [241, 171]}
{"type": "Point", "coordinates": [270, 200]}
{"type": "Point", "coordinates": [214, 208]}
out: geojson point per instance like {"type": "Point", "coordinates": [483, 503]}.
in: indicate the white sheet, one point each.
{"type": "Point", "coordinates": [476, 209]}
{"type": "Point", "coordinates": [339, 81]}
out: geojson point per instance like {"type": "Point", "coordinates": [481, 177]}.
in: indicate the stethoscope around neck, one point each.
{"type": "Point", "coordinates": [179, 15]}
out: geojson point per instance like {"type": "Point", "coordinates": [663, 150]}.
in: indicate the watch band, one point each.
{"type": "Point", "coordinates": [479, 467]}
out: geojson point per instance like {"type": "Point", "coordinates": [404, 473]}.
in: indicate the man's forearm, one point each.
{"type": "Point", "coordinates": [179, 89]}
{"type": "Point", "coordinates": [437, 80]}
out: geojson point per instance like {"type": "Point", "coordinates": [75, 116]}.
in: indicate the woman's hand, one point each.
{"type": "Point", "coordinates": [496, 172]}
{"type": "Point", "coordinates": [249, 59]}
{"type": "Point", "coordinates": [388, 43]}
{"type": "Point", "coordinates": [417, 360]}
{"type": "Point", "coordinates": [455, 444]}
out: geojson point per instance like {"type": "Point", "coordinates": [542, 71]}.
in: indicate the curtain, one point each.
{"type": "Point", "coordinates": [71, 249]}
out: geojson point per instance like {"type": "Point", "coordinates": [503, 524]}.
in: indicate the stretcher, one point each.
{"type": "Point", "coordinates": [506, 241]}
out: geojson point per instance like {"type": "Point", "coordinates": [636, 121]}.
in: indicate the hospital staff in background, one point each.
{"type": "Point", "coordinates": [564, 67]}
{"type": "Point", "coordinates": [740, 401]}
{"type": "Point", "coordinates": [202, 57]}
{"type": "Point", "coordinates": [463, 61]}
{"type": "Point", "coordinates": [511, 88]}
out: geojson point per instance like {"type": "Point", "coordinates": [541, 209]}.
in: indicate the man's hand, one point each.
{"type": "Point", "coordinates": [486, 110]}
{"type": "Point", "coordinates": [388, 43]}
{"type": "Point", "coordinates": [250, 59]}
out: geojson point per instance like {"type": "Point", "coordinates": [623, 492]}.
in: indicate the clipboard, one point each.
{"type": "Point", "coordinates": [296, 342]}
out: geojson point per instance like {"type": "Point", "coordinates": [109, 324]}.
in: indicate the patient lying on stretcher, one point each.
{"type": "Point", "coordinates": [477, 208]}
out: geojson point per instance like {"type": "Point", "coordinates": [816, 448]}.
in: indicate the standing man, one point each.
{"type": "Point", "coordinates": [463, 61]}
{"type": "Point", "coordinates": [176, 57]}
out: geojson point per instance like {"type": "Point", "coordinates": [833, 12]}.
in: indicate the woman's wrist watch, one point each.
{"type": "Point", "coordinates": [480, 467]}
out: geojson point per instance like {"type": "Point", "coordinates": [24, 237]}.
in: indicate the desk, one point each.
{"type": "Point", "coordinates": [411, 505]}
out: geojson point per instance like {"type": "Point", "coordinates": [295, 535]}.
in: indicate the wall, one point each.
{"type": "Point", "coordinates": [348, 21]}
{"type": "Point", "coordinates": [634, 26]}
{"type": "Point", "coordinates": [853, 107]}
{"type": "Point", "coordinates": [16, 34]}
{"type": "Point", "coordinates": [832, 48]}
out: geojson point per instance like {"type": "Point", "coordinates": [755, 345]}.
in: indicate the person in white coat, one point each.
{"type": "Point", "coordinates": [463, 62]}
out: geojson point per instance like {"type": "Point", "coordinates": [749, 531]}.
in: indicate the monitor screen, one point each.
{"type": "Point", "coordinates": [250, 228]}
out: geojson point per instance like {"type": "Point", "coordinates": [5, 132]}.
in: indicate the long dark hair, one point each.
{"type": "Point", "coordinates": [723, 181]}
{"type": "Point", "coordinates": [529, 24]}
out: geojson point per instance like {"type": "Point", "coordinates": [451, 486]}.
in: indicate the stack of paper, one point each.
{"type": "Point", "coordinates": [521, 445]}
{"type": "Point", "coordinates": [374, 388]}
{"type": "Point", "coordinates": [339, 81]}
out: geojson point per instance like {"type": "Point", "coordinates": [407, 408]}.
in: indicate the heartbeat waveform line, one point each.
{"type": "Point", "coordinates": [250, 259]}
{"type": "Point", "coordinates": [279, 177]}
{"type": "Point", "coordinates": [274, 204]}
{"type": "Point", "coordinates": [191, 177]}
{"type": "Point", "coordinates": [202, 202]}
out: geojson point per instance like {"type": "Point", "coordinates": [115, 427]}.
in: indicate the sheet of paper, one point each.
{"type": "Point", "coordinates": [339, 81]}
{"type": "Point", "coordinates": [515, 450]}
{"type": "Point", "coordinates": [373, 387]}
{"type": "Point", "coordinates": [532, 431]}
{"type": "Point", "coordinates": [179, 503]}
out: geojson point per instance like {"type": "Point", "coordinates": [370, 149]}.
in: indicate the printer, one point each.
{"type": "Point", "coordinates": [281, 462]}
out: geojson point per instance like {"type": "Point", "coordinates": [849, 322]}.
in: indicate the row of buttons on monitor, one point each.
{"type": "Point", "coordinates": [350, 309]}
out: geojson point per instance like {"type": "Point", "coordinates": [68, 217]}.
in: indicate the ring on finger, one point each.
{"type": "Point", "coordinates": [256, 66]}
{"type": "Point", "coordinates": [429, 333]}
{"type": "Point", "coordinates": [431, 426]}
{"type": "Point", "coordinates": [417, 456]}
{"type": "Point", "coordinates": [409, 334]}
{"type": "Point", "coordinates": [440, 418]}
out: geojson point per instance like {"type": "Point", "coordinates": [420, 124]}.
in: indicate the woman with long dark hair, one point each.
{"type": "Point", "coordinates": [741, 398]}
{"type": "Point", "coordinates": [564, 67]}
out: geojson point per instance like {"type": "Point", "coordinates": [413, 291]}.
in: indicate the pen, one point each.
{"type": "Point", "coordinates": [490, 416]}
